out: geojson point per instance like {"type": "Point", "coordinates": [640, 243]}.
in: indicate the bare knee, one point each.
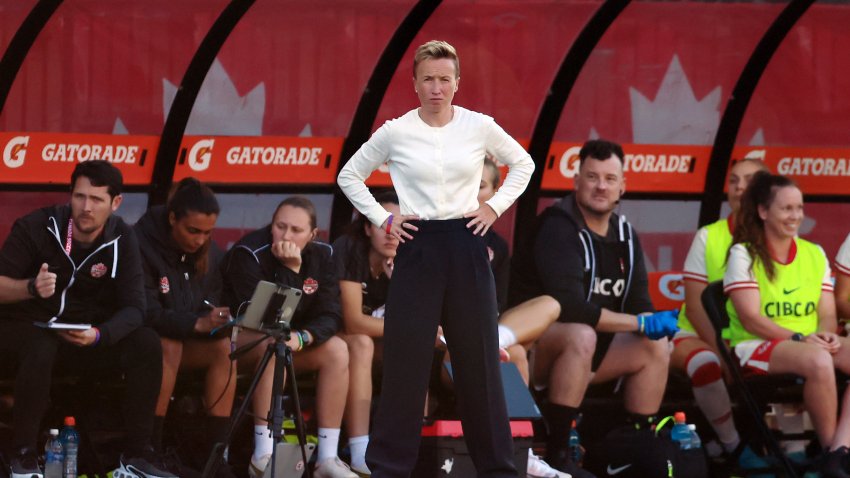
{"type": "Point", "coordinates": [819, 367]}
{"type": "Point", "coordinates": [361, 348]}
{"type": "Point", "coordinates": [334, 353]}
{"type": "Point", "coordinates": [221, 351]}
{"type": "Point", "coordinates": [658, 352]}
{"type": "Point", "coordinates": [579, 340]}
{"type": "Point", "coordinates": [551, 307]}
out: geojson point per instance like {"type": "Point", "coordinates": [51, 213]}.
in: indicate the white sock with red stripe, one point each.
{"type": "Point", "coordinates": [703, 368]}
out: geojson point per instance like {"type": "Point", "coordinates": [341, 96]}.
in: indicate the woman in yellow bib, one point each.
{"type": "Point", "coordinates": [782, 308]}
{"type": "Point", "coordinates": [694, 348]}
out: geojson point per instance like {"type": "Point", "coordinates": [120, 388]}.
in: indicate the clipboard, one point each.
{"type": "Point", "coordinates": [56, 325]}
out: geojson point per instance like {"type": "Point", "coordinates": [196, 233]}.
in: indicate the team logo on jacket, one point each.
{"type": "Point", "coordinates": [164, 286]}
{"type": "Point", "coordinates": [310, 285]}
{"type": "Point", "coordinates": [490, 253]}
{"type": "Point", "coordinates": [98, 270]}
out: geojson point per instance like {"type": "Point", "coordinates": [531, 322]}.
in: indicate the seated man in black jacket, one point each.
{"type": "Point", "coordinates": [589, 259]}
{"type": "Point", "coordinates": [285, 252]}
{"type": "Point", "coordinates": [80, 264]}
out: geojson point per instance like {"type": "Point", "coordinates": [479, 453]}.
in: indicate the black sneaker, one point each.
{"type": "Point", "coordinates": [559, 459]}
{"type": "Point", "coordinates": [147, 466]}
{"type": "Point", "coordinates": [833, 463]}
{"type": "Point", "coordinates": [24, 464]}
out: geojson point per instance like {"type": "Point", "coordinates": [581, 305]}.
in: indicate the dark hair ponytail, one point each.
{"type": "Point", "coordinates": [191, 195]}
{"type": "Point", "coordinates": [749, 226]}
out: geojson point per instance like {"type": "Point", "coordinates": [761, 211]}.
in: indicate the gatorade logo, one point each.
{"type": "Point", "coordinates": [15, 151]}
{"type": "Point", "coordinates": [570, 162]}
{"type": "Point", "coordinates": [672, 286]}
{"type": "Point", "coordinates": [200, 155]}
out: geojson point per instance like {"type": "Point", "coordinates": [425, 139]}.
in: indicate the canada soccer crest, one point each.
{"type": "Point", "coordinates": [164, 286]}
{"type": "Point", "coordinates": [310, 285]}
{"type": "Point", "coordinates": [98, 270]}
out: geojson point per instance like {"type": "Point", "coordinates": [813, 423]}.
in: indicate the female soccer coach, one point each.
{"type": "Point", "coordinates": [442, 276]}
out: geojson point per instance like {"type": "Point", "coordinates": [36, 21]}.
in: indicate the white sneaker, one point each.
{"type": "Point", "coordinates": [537, 468]}
{"type": "Point", "coordinates": [333, 468]}
{"type": "Point", "coordinates": [256, 468]}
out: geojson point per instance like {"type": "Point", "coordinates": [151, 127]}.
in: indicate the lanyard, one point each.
{"type": "Point", "coordinates": [70, 236]}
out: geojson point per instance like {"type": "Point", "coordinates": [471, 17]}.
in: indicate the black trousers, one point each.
{"type": "Point", "coordinates": [40, 352]}
{"type": "Point", "coordinates": [442, 277]}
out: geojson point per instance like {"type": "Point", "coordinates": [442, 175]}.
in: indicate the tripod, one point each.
{"type": "Point", "coordinates": [283, 362]}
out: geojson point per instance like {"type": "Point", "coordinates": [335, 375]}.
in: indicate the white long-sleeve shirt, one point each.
{"type": "Point", "coordinates": [436, 171]}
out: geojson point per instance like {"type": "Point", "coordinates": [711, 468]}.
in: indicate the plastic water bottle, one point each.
{"type": "Point", "coordinates": [576, 453]}
{"type": "Point", "coordinates": [681, 433]}
{"type": "Point", "coordinates": [695, 440]}
{"type": "Point", "coordinates": [71, 443]}
{"type": "Point", "coordinates": [53, 455]}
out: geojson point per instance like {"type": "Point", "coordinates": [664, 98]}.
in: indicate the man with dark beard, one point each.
{"type": "Point", "coordinates": [590, 260]}
{"type": "Point", "coordinates": [78, 264]}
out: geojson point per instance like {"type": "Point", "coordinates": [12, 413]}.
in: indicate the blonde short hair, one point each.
{"type": "Point", "coordinates": [435, 50]}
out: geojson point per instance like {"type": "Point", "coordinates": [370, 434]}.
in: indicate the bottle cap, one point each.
{"type": "Point", "coordinates": [54, 432]}
{"type": "Point", "coordinates": [573, 424]}
{"type": "Point", "coordinates": [70, 422]}
{"type": "Point", "coordinates": [679, 417]}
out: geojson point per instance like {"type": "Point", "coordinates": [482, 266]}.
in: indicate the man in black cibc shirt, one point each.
{"type": "Point", "coordinates": [590, 260]}
{"type": "Point", "coordinates": [78, 264]}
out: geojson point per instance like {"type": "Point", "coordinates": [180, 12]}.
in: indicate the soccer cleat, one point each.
{"type": "Point", "coordinates": [333, 468]}
{"type": "Point", "coordinates": [24, 464]}
{"type": "Point", "coordinates": [537, 468]}
{"type": "Point", "coordinates": [139, 467]}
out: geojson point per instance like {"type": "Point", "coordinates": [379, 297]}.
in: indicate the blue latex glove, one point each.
{"type": "Point", "coordinates": [660, 324]}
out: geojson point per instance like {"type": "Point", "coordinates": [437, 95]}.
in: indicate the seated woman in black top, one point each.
{"type": "Point", "coordinates": [285, 252]}
{"type": "Point", "coordinates": [180, 274]}
{"type": "Point", "coordinates": [363, 258]}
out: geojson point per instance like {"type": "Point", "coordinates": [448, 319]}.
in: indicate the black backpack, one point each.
{"type": "Point", "coordinates": [634, 452]}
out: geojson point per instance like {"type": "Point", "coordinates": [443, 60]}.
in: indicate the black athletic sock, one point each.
{"type": "Point", "coordinates": [559, 419]}
{"type": "Point", "coordinates": [156, 436]}
{"type": "Point", "coordinates": [642, 421]}
{"type": "Point", "coordinates": [217, 430]}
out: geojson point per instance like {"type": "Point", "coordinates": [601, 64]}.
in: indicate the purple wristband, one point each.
{"type": "Point", "coordinates": [96, 336]}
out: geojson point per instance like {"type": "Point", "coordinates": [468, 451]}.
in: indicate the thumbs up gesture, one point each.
{"type": "Point", "coordinates": [45, 282]}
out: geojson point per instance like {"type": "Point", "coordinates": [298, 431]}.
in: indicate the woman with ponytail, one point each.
{"type": "Point", "coordinates": [782, 309]}
{"type": "Point", "coordinates": [182, 285]}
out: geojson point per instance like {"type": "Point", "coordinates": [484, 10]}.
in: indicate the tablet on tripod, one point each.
{"type": "Point", "coordinates": [270, 305]}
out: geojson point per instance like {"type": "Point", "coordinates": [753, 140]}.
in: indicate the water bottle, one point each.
{"type": "Point", "coordinates": [71, 442]}
{"type": "Point", "coordinates": [695, 440]}
{"type": "Point", "coordinates": [53, 455]}
{"type": "Point", "coordinates": [681, 433]}
{"type": "Point", "coordinates": [576, 453]}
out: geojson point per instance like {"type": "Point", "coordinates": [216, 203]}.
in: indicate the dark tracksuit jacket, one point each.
{"type": "Point", "coordinates": [103, 289]}
{"type": "Point", "coordinates": [101, 286]}
{"type": "Point", "coordinates": [250, 261]}
{"type": "Point", "coordinates": [175, 293]}
{"type": "Point", "coordinates": [583, 271]}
